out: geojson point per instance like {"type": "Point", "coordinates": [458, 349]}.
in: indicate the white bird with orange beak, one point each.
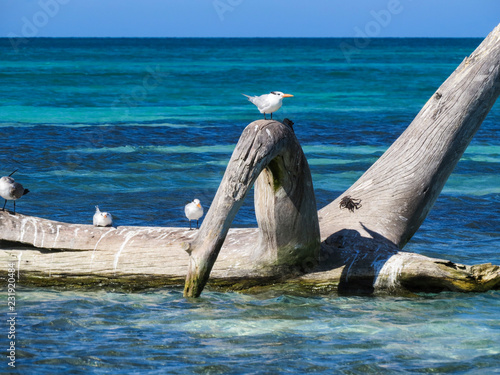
{"type": "Point", "coordinates": [268, 103]}
{"type": "Point", "coordinates": [102, 219]}
{"type": "Point", "coordinates": [193, 211]}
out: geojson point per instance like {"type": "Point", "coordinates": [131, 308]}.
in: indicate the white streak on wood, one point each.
{"type": "Point", "coordinates": [57, 235]}
{"type": "Point", "coordinates": [388, 276]}
{"type": "Point", "coordinates": [19, 255]}
{"type": "Point", "coordinates": [480, 78]}
{"type": "Point", "coordinates": [97, 243]}
{"type": "Point", "coordinates": [35, 234]}
{"type": "Point", "coordinates": [363, 185]}
{"type": "Point", "coordinates": [128, 237]}
{"type": "Point", "coordinates": [51, 261]}
{"type": "Point", "coordinates": [43, 237]}
{"type": "Point", "coordinates": [350, 265]}
{"type": "Point", "coordinates": [23, 223]}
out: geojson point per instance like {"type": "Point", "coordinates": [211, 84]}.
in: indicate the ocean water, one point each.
{"type": "Point", "coordinates": [142, 126]}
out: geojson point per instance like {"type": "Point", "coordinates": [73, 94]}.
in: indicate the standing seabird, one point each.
{"type": "Point", "coordinates": [10, 190]}
{"type": "Point", "coordinates": [268, 103]}
{"type": "Point", "coordinates": [193, 211]}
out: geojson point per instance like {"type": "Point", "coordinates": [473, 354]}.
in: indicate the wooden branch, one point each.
{"type": "Point", "coordinates": [134, 258]}
{"type": "Point", "coordinates": [399, 190]}
{"type": "Point", "coordinates": [284, 201]}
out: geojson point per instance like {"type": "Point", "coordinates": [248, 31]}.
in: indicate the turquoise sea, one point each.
{"type": "Point", "coordinates": [142, 126]}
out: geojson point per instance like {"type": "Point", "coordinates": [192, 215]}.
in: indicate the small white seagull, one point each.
{"type": "Point", "coordinates": [193, 211]}
{"type": "Point", "coordinates": [268, 103]}
{"type": "Point", "coordinates": [10, 190]}
{"type": "Point", "coordinates": [102, 219]}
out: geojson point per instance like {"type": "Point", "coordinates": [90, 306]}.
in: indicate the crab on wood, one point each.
{"type": "Point", "coordinates": [350, 203]}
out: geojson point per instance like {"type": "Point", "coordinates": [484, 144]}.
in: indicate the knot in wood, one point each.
{"type": "Point", "coordinates": [186, 246]}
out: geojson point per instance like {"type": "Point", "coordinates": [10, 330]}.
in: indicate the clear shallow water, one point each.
{"type": "Point", "coordinates": [160, 332]}
{"type": "Point", "coordinates": [141, 126]}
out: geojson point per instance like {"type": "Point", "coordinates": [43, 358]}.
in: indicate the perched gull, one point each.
{"type": "Point", "coordinates": [193, 211]}
{"type": "Point", "coordinates": [11, 190]}
{"type": "Point", "coordinates": [268, 103]}
{"type": "Point", "coordinates": [102, 219]}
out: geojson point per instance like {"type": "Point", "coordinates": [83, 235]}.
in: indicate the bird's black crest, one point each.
{"type": "Point", "coordinates": [288, 122]}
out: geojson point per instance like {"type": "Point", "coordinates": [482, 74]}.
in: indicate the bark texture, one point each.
{"type": "Point", "coordinates": [134, 258]}
{"type": "Point", "coordinates": [399, 190]}
{"type": "Point", "coordinates": [285, 205]}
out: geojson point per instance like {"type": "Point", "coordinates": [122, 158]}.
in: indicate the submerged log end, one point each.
{"type": "Point", "coordinates": [194, 280]}
{"type": "Point", "coordinates": [477, 278]}
{"type": "Point", "coordinates": [201, 261]}
{"type": "Point", "coordinates": [438, 276]}
{"type": "Point", "coordinates": [386, 270]}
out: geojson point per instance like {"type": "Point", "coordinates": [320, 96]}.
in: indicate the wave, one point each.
{"type": "Point", "coordinates": [179, 149]}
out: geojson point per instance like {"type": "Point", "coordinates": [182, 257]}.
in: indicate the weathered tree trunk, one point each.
{"type": "Point", "coordinates": [399, 190]}
{"type": "Point", "coordinates": [135, 258]}
{"type": "Point", "coordinates": [360, 248]}
{"type": "Point", "coordinates": [285, 205]}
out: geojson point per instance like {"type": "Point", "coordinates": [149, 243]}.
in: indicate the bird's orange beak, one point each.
{"type": "Point", "coordinates": [287, 95]}
{"type": "Point", "coordinates": [105, 215]}
{"type": "Point", "coordinates": [199, 205]}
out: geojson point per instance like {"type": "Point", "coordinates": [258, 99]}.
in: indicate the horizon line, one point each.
{"type": "Point", "coordinates": [239, 37]}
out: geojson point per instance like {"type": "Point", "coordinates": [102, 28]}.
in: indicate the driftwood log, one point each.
{"type": "Point", "coordinates": [353, 245]}
{"type": "Point", "coordinates": [268, 152]}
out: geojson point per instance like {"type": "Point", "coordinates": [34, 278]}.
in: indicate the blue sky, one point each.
{"type": "Point", "coordinates": [248, 18]}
